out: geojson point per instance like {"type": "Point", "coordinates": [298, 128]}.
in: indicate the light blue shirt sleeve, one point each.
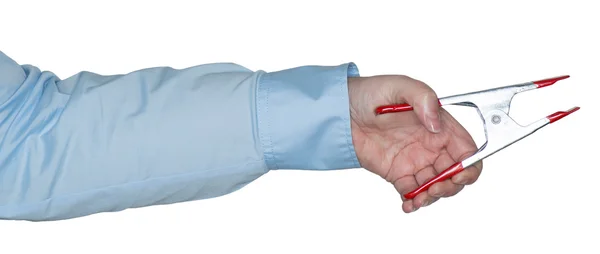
{"type": "Point", "coordinates": [95, 143]}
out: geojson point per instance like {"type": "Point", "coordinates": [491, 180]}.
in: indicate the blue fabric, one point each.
{"type": "Point", "coordinates": [91, 143]}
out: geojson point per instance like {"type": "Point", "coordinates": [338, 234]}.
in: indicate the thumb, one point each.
{"type": "Point", "coordinates": [425, 104]}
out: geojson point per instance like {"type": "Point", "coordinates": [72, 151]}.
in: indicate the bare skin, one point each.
{"type": "Point", "coordinates": [409, 148]}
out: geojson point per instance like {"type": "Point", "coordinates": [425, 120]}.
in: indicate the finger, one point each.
{"type": "Point", "coordinates": [443, 162]}
{"type": "Point", "coordinates": [425, 103]}
{"type": "Point", "coordinates": [404, 185]}
{"type": "Point", "coordinates": [423, 200]}
{"type": "Point", "coordinates": [407, 184]}
{"type": "Point", "coordinates": [422, 177]}
{"type": "Point", "coordinates": [441, 189]}
{"type": "Point", "coordinates": [469, 174]}
{"type": "Point", "coordinates": [459, 148]}
{"type": "Point", "coordinates": [445, 189]}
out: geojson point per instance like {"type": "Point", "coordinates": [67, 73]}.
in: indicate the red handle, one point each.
{"type": "Point", "coordinates": [446, 174]}
{"type": "Point", "coordinates": [393, 108]}
{"type": "Point", "coordinates": [396, 108]}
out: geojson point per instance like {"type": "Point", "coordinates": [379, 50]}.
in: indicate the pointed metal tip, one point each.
{"type": "Point", "coordinates": [550, 81]}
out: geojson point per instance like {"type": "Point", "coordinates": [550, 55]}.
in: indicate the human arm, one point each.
{"type": "Point", "coordinates": [95, 143]}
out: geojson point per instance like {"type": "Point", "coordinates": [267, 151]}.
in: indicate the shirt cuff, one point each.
{"type": "Point", "coordinates": [303, 118]}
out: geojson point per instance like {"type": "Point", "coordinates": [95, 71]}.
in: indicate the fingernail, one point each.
{"type": "Point", "coordinates": [433, 123]}
{"type": "Point", "coordinates": [432, 117]}
{"type": "Point", "coordinates": [433, 127]}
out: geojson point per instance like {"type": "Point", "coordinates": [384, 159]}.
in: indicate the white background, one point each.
{"type": "Point", "coordinates": [538, 195]}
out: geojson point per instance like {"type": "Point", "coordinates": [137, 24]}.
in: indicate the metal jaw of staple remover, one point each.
{"type": "Point", "coordinates": [501, 131]}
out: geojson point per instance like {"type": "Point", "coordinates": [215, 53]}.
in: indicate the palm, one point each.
{"type": "Point", "coordinates": [401, 150]}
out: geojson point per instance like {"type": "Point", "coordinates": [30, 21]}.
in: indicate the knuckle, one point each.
{"type": "Point", "coordinates": [425, 92]}
{"type": "Point", "coordinates": [422, 85]}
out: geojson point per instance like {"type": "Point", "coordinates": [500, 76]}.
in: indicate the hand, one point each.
{"type": "Point", "coordinates": [408, 148]}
